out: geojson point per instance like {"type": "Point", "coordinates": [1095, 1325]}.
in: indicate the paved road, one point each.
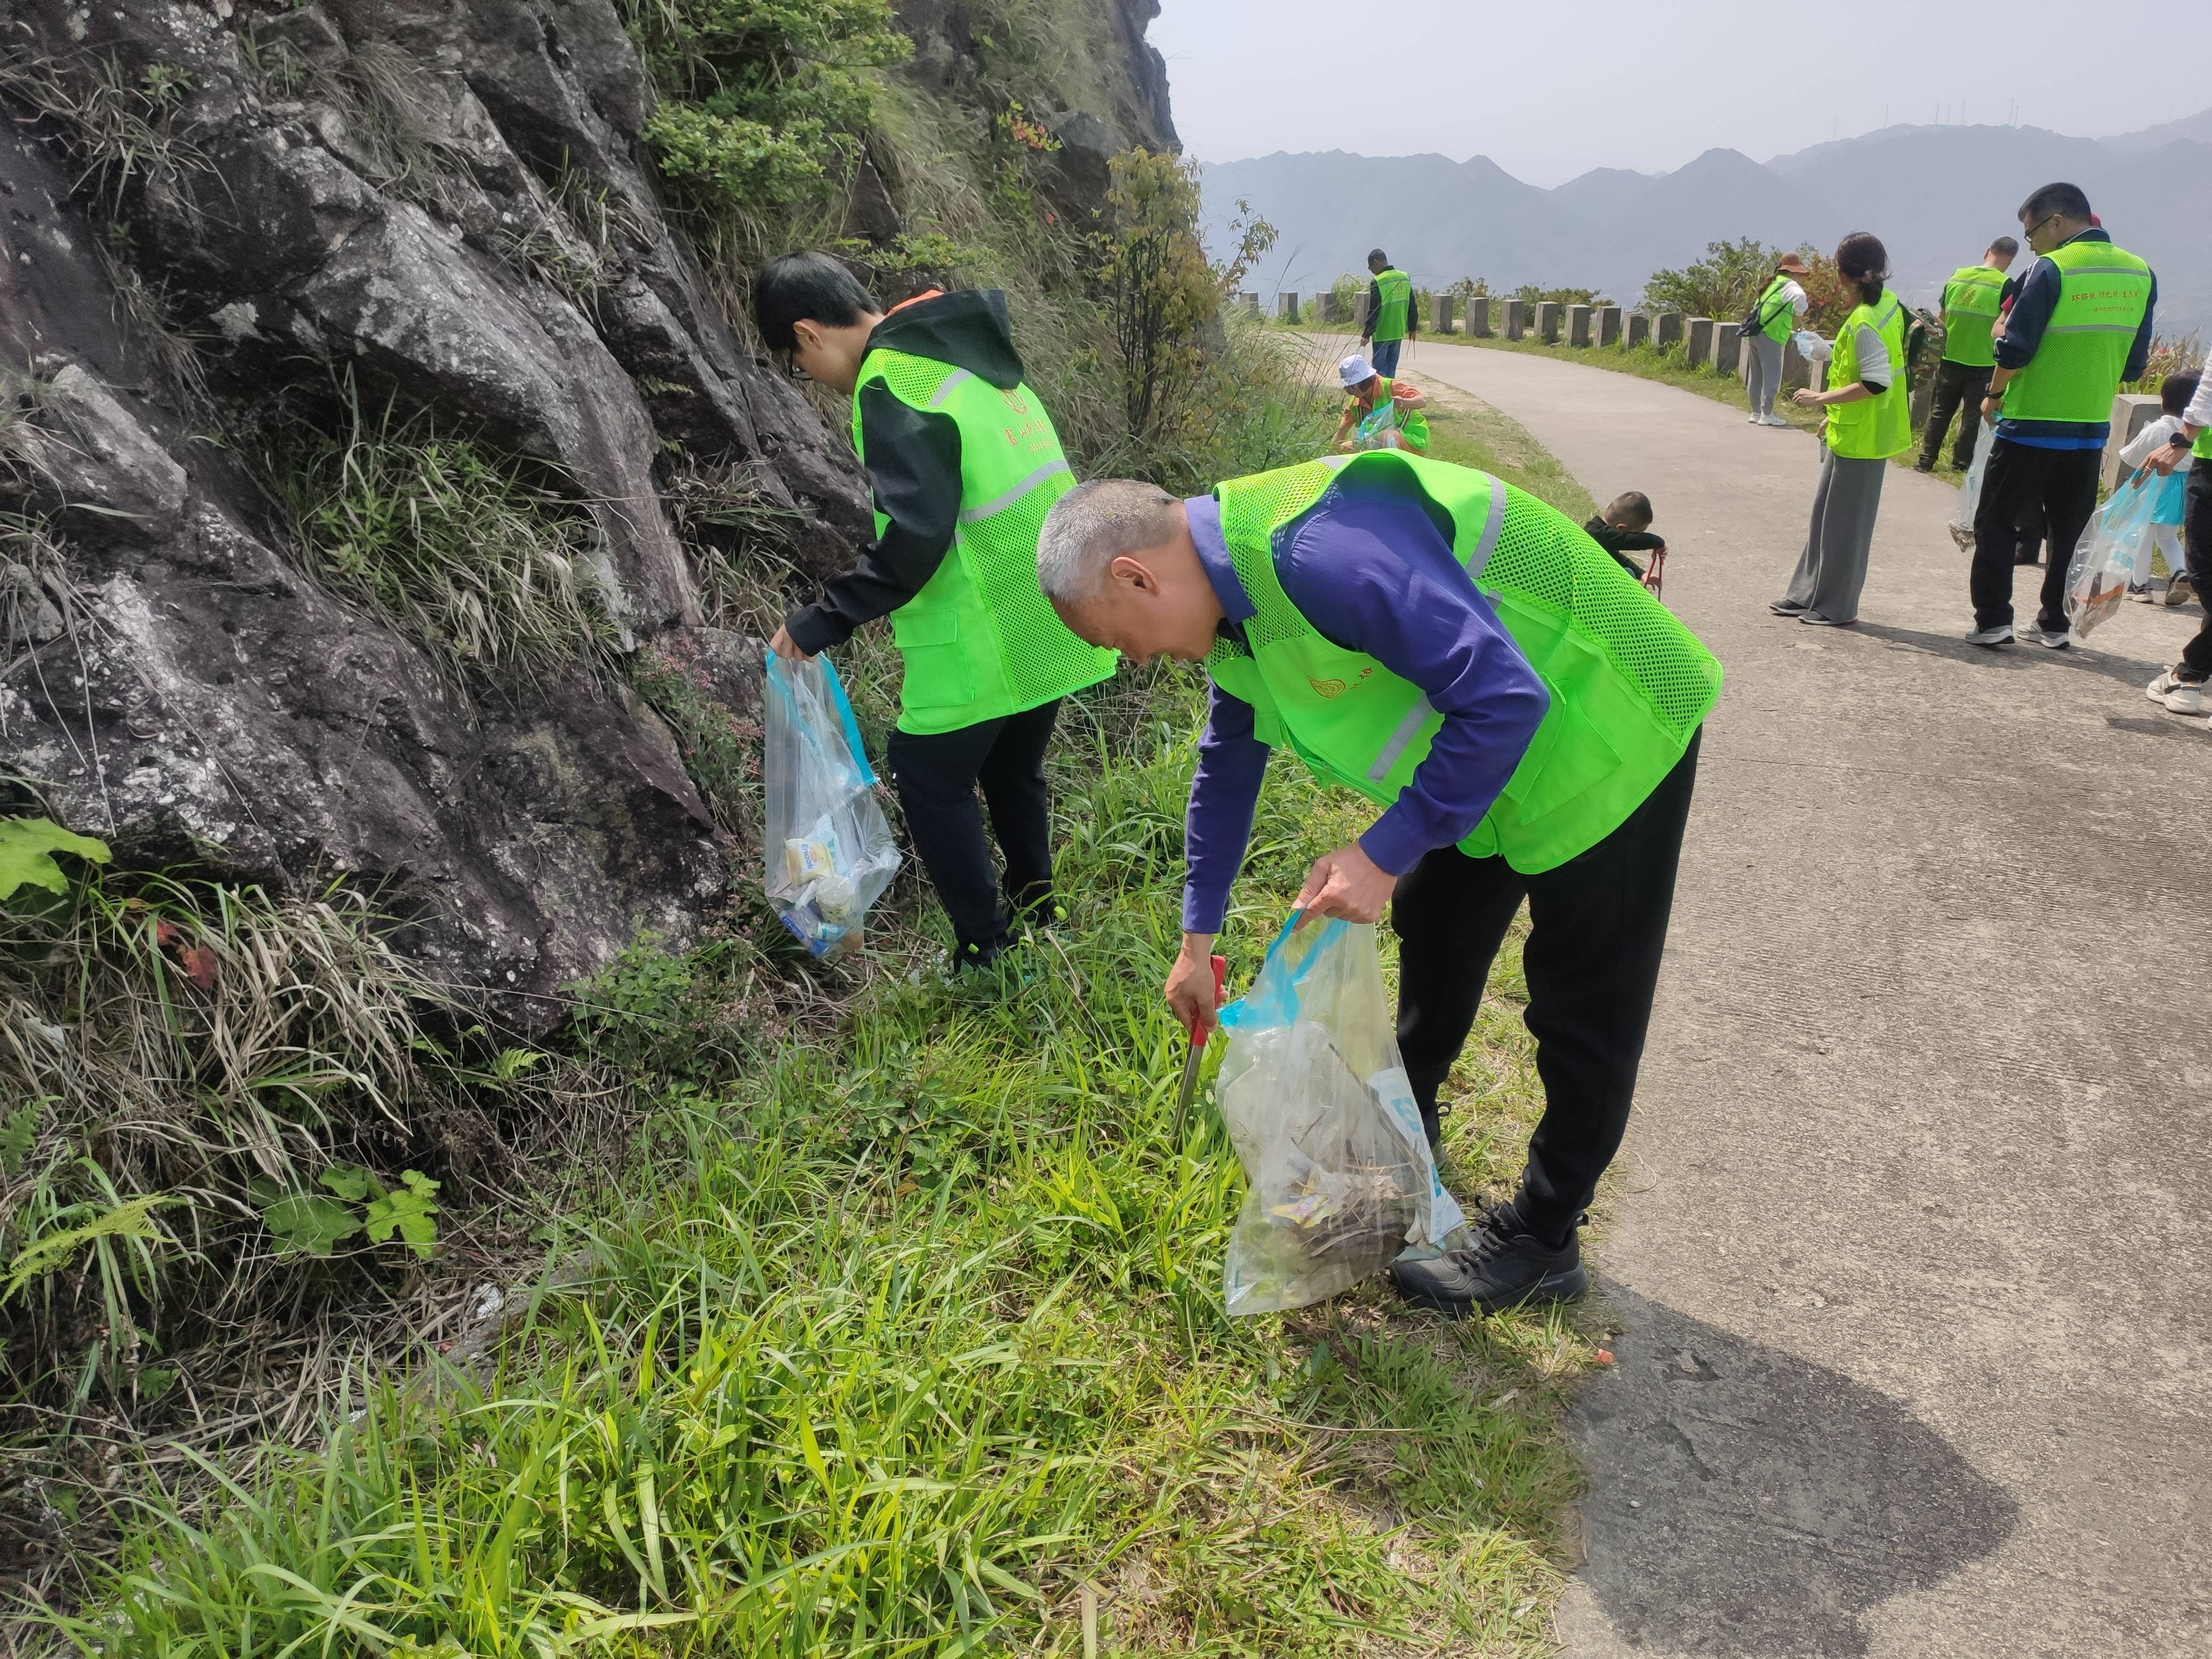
{"type": "Point", "coordinates": [1913, 1262]}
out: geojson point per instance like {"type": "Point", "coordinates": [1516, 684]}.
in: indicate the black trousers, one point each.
{"type": "Point", "coordinates": [1597, 923]}
{"type": "Point", "coordinates": [2018, 480]}
{"type": "Point", "coordinates": [937, 777]}
{"type": "Point", "coordinates": [2196, 548]}
{"type": "Point", "coordinates": [1960, 389]}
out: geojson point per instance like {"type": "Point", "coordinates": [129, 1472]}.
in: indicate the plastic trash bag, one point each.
{"type": "Point", "coordinates": [1318, 1106]}
{"type": "Point", "coordinates": [829, 852]}
{"type": "Point", "coordinates": [1811, 348]}
{"type": "Point", "coordinates": [2112, 556]}
{"type": "Point", "coordinates": [1970, 488]}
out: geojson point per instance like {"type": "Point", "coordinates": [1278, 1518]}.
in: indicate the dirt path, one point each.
{"type": "Point", "coordinates": [1913, 1261]}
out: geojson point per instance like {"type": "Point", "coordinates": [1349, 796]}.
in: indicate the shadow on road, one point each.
{"type": "Point", "coordinates": [1747, 1504]}
{"type": "Point", "coordinates": [2020, 657]}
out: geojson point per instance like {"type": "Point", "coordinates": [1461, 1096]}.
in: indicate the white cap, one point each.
{"type": "Point", "coordinates": [1355, 370]}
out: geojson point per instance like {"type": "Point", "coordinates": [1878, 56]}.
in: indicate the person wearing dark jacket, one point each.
{"type": "Point", "coordinates": [2079, 325]}
{"type": "Point", "coordinates": [963, 463]}
{"type": "Point", "coordinates": [1624, 528]}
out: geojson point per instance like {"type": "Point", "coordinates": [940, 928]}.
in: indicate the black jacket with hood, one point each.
{"type": "Point", "coordinates": [912, 462]}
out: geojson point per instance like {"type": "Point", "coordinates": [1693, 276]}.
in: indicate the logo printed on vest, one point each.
{"type": "Point", "coordinates": [1338, 688]}
{"type": "Point", "coordinates": [1014, 402]}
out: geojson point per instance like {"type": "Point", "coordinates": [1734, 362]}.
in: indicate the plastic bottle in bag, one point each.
{"type": "Point", "coordinates": [2113, 556]}
{"type": "Point", "coordinates": [830, 851]}
{"type": "Point", "coordinates": [1339, 1176]}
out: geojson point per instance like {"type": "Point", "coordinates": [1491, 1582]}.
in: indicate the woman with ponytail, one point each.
{"type": "Point", "coordinates": [1870, 419]}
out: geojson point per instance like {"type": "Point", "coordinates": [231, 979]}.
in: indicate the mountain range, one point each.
{"type": "Point", "coordinates": [1935, 195]}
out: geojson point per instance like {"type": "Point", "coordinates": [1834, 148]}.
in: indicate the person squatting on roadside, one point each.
{"type": "Point", "coordinates": [1962, 378]}
{"type": "Point", "coordinates": [1379, 413]}
{"type": "Point", "coordinates": [1775, 317]}
{"type": "Point", "coordinates": [2182, 687]}
{"type": "Point", "coordinates": [963, 461]}
{"type": "Point", "coordinates": [1527, 716]}
{"type": "Point", "coordinates": [1870, 419]}
{"type": "Point", "coordinates": [1391, 318]}
{"type": "Point", "coordinates": [2079, 325]}
{"type": "Point", "coordinates": [1624, 528]}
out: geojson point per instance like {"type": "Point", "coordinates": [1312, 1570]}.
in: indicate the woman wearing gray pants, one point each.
{"type": "Point", "coordinates": [1867, 422]}
{"type": "Point", "coordinates": [1776, 314]}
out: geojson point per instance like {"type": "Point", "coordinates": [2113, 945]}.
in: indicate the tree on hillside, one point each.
{"type": "Point", "coordinates": [1726, 283]}
{"type": "Point", "coordinates": [1536, 294]}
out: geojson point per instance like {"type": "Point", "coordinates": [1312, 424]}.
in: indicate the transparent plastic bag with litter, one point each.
{"type": "Point", "coordinates": [1970, 488]}
{"type": "Point", "coordinates": [829, 852]}
{"type": "Point", "coordinates": [2113, 556]}
{"type": "Point", "coordinates": [1317, 1104]}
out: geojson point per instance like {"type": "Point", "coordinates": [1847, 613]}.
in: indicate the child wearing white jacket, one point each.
{"type": "Point", "coordinates": [2174, 397]}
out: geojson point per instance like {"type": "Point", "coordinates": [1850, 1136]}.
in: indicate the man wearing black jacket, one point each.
{"type": "Point", "coordinates": [963, 463]}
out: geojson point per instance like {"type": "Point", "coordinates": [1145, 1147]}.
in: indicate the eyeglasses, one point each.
{"type": "Point", "coordinates": [2039, 223]}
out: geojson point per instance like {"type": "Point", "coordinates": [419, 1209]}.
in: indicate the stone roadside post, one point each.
{"type": "Point", "coordinates": [1547, 321]}
{"type": "Point", "coordinates": [1796, 373]}
{"type": "Point", "coordinates": [1516, 318]}
{"type": "Point", "coordinates": [1578, 325]}
{"type": "Point", "coordinates": [1287, 307]}
{"type": "Point", "coordinates": [1477, 318]}
{"type": "Point", "coordinates": [1359, 310]}
{"type": "Point", "coordinates": [1667, 328]}
{"type": "Point", "coordinates": [1440, 314]}
{"type": "Point", "coordinates": [1250, 303]}
{"type": "Point", "coordinates": [1698, 342]}
{"type": "Point", "coordinates": [1727, 346]}
{"type": "Point", "coordinates": [1639, 329]}
{"type": "Point", "coordinates": [2131, 412]}
{"type": "Point", "coordinates": [1607, 319]}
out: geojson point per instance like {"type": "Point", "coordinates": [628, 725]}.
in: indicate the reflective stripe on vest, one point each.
{"type": "Point", "coordinates": [2103, 292]}
{"type": "Point", "coordinates": [1628, 683]}
{"type": "Point", "coordinates": [1970, 311]}
{"type": "Point", "coordinates": [1397, 295]}
{"type": "Point", "coordinates": [980, 640]}
{"type": "Point", "coordinates": [1775, 325]}
{"type": "Point", "coordinates": [1871, 428]}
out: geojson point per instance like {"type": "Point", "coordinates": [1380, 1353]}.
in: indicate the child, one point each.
{"type": "Point", "coordinates": [2173, 396]}
{"type": "Point", "coordinates": [1386, 412]}
{"type": "Point", "coordinates": [1626, 527]}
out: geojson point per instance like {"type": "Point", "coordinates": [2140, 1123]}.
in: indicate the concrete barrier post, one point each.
{"type": "Point", "coordinates": [2131, 412]}
{"type": "Point", "coordinates": [1607, 319]}
{"type": "Point", "coordinates": [1728, 348]}
{"type": "Point", "coordinates": [1251, 304]}
{"type": "Point", "coordinates": [1639, 329]}
{"type": "Point", "coordinates": [1578, 325]}
{"type": "Point", "coordinates": [1440, 314]}
{"type": "Point", "coordinates": [1359, 308]}
{"type": "Point", "coordinates": [1477, 318]}
{"type": "Point", "coordinates": [1698, 342]}
{"type": "Point", "coordinates": [1287, 307]}
{"type": "Point", "coordinates": [1667, 328]}
{"type": "Point", "coordinates": [1547, 321]}
{"type": "Point", "coordinates": [1796, 373]}
{"type": "Point", "coordinates": [1516, 318]}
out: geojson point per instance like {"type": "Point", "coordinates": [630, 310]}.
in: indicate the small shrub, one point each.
{"type": "Point", "coordinates": [1726, 283]}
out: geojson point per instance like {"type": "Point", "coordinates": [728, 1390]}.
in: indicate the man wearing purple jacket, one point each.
{"type": "Point", "coordinates": [1527, 716]}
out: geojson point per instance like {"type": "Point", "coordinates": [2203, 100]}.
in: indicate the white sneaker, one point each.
{"type": "Point", "coordinates": [1757, 420]}
{"type": "Point", "coordinates": [2179, 696]}
{"type": "Point", "coordinates": [1776, 420]}
{"type": "Point", "coordinates": [2140, 595]}
{"type": "Point", "coordinates": [2001, 635]}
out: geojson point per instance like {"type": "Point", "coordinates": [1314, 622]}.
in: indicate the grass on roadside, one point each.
{"type": "Point", "coordinates": [909, 1341]}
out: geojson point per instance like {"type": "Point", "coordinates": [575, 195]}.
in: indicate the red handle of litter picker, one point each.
{"type": "Point", "coordinates": [1200, 1030]}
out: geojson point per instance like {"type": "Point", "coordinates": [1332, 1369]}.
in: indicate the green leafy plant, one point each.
{"type": "Point", "coordinates": [308, 1224]}
{"type": "Point", "coordinates": [1725, 283]}
{"type": "Point", "coordinates": [27, 847]}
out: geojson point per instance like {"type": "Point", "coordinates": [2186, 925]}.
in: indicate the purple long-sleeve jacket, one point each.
{"type": "Point", "coordinates": [1372, 572]}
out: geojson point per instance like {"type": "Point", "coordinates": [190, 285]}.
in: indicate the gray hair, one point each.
{"type": "Point", "coordinates": [1092, 525]}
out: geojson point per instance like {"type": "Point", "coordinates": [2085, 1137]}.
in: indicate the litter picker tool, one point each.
{"type": "Point", "coordinates": [1197, 1036]}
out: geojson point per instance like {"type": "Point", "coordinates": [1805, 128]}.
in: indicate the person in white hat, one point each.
{"type": "Point", "coordinates": [1379, 413]}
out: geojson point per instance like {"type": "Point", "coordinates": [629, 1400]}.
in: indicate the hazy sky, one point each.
{"type": "Point", "coordinates": [1616, 86]}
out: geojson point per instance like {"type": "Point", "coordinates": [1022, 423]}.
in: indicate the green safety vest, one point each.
{"type": "Point", "coordinates": [2103, 292]}
{"type": "Point", "coordinates": [1874, 427]}
{"type": "Point", "coordinates": [1970, 312]}
{"type": "Point", "coordinates": [1383, 426]}
{"type": "Point", "coordinates": [1389, 319]}
{"type": "Point", "coordinates": [1628, 683]}
{"type": "Point", "coordinates": [1776, 326]}
{"type": "Point", "coordinates": [2201, 449]}
{"type": "Point", "coordinates": [980, 641]}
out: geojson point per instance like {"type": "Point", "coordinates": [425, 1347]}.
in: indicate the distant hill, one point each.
{"type": "Point", "coordinates": [1935, 195]}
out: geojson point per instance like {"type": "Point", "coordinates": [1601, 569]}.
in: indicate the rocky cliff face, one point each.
{"type": "Point", "coordinates": [446, 201]}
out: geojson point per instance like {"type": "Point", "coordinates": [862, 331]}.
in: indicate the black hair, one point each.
{"type": "Point", "coordinates": [2065, 200]}
{"type": "Point", "coordinates": [805, 287]}
{"type": "Point", "coordinates": [1376, 255]}
{"type": "Point", "coordinates": [2004, 247]}
{"type": "Point", "coordinates": [1631, 510]}
{"type": "Point", "coordinates": [1863, 262]}
{"type": "Point", "coordinates": [2175, 390]}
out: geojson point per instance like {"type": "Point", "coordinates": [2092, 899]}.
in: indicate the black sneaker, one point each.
{"type": "Point", "coordinates": [1505, 1267]}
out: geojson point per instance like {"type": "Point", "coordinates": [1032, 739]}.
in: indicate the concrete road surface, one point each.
{"type": "Point", "coordinates": [1912, 1264]}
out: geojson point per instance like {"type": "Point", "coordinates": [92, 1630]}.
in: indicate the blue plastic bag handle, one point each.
{"type": "Point", "coordinates": [1279, 1005]}
{"type": "Point", "coordinates": [777, 673]}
